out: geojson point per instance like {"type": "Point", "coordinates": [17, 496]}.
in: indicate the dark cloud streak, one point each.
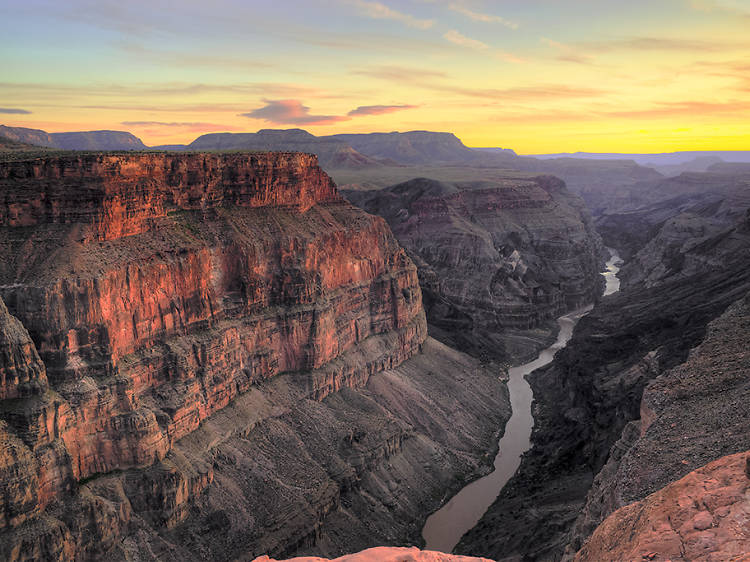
{"type": "Point", "coordinates": [291, 112]}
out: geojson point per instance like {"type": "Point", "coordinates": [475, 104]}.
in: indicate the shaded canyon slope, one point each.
{"type": "Point", "coordinates": [688, 208]}
{"type": "Point", "coordinates": [498, 261]}
{"type": "Point", "coordinates": [589, 401]}
{"type": "Point", "coordinates": [690, 415]}
{"type": "Point", "coordinates": [216, 356]}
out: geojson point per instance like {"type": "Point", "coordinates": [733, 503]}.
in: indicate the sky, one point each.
{"type": "Point", "coordinates": [537, 76]}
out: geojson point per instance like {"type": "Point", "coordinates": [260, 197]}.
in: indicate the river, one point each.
{"type": "Point", "coordinates": [444, 528]}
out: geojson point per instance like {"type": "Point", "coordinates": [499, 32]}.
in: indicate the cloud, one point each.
{"type": "Point", "coordinates": [290, 112]}
{"type": "Point", "coordinates": [567, 53]}
{"type": "Point", "coordinates": [478, 16]}
{"type": "Point", "coordinates": [400, 73]}
{"type": "Point", "coordinates": [378, 10]}
{"type": "Point", "coordinates": [660, 44]}
{"type": "Point", "coordinates": [188, 59]}
{"type": "Point", "coordinates": [438, 82]}
{"type": "Point", "coordinates": [14, 111]}
{"type": "Point", "coordinates": [189, 125]}
{"type": "Point", "coordinates": [462, 41]}
{"type": "Point", "coordinates": [736, 7]}
{"type": "Point", "coordinates": [685, 109]}
{"type": "Point", "coordinates": [455, 37]}
{"type": "Point", "coordinates": [378, 109]}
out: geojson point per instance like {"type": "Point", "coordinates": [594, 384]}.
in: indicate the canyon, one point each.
{"type": "Point", "coordinates": [221, 355]}
{"type": "Point", "coordinates": [198, 344]}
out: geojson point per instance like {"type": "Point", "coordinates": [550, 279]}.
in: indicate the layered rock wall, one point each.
{"type": "Point", "coordinates": [498, 261]}
{"type": "Point", "coordinates": [145, 293]}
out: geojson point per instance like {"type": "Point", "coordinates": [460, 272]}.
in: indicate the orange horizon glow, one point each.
{"type": "Point", "coordinates": [534, 76]}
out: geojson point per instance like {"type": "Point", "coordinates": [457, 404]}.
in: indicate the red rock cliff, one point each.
{"type": "Point", "coordinates": [156, 288]}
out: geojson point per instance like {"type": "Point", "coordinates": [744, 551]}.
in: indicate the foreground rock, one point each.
{"type": "Point", "coordinates": [498, 261]}
{"type": "Point", "coordinates": [386, 554]}
{"type": "Point", "coordinates": [702, 517]}
{"type": "Point", "coordinates": [174, 326]}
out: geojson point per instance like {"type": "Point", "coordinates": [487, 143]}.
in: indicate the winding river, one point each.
{"type": "Point", "coordinates": [445, 527]}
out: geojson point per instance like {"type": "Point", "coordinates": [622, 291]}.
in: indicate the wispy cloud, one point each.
{"type": "Point", "coordinates": [685, 109]}
{"type": "Point", "coordinates": [400, 73]}
{"type": "Point", "coordinates": [736, 7]}
{"type": "Point", "coordinates": [478, 16]}
{"type": "Point", "coordinates": [659, 44]}
{"type": "Point", "coordinates": [462, 41]}
{"type": "Point", "coordinates": [378, 109]}
{"type": "Point", "coordinates": [14, 111]}
{"type": "Point", "coordinates": [378, 10]}
{"type": "Point", "coordinates": [439, 82]}
{"type": "Point", "coordinates": [459, 39]}
{"type": "Point", "coordinates": [567, 53]}
{"type": "Point", "coordinates": [291, 112]}
{"type": "Point", "coordinates": [188, 125]}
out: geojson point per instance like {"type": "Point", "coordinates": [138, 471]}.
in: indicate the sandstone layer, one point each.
{"type": "Point", "coordinates": [498, 261]}
{"type": "Point", "coordinates": [171, 319]}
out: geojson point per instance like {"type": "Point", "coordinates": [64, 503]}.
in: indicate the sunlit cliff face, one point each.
{"type": "Point", "coordinates": [538, 76]}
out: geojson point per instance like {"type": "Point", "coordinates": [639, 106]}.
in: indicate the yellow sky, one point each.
{"type": "Point", "coordinates": [536, 76]}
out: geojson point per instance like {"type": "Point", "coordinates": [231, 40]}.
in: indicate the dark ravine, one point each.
{"type": "Point", "coordinates": [691, 415]}
{"type": "Point", "coordinates": [587, 400]}
{"type": "Point", "coordinates": [445, 527]}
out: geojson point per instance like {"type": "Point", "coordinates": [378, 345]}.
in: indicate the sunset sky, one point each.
{"type": "Point", "coordinates": [533, 75]}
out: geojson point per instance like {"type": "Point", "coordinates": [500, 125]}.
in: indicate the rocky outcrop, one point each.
{"type": "Point", "coordinates": [148, 296]}
{"type": "Point", "coordinates": [21, 371]}
{"type": "Point", "coordinates": [587, 400]}
{"type": "Point", "coordinates": [701, 517]}
{"type": "Point", "coordinates": [498, 261]}
{"type": "Point", "coordinates": [387, 554]}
